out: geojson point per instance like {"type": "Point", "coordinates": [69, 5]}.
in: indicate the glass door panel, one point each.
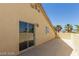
{"type": "Point", "coordinates": [26, 35]}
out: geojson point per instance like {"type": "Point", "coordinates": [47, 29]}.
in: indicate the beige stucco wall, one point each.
{"type": "Point", "coordinates": [65, 35]}
{"type": "Point", "coordinates": [10, 14]}
{"type": "Point", "coordinates": [9, 36]}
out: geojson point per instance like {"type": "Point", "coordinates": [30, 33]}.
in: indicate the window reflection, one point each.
{"type": "Point", "coordinates": [26, 27]}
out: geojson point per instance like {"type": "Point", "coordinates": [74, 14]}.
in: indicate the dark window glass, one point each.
{"type": "Point", "coordinates": [23, 46]}
{"type": "Point", "coordinates": [31, 28]}
{"type": "Point", "coordinates": [26, 27]}
{"type": "Point", "coordinates": [22, 26]}
{"type": "Point", "coordinates": [31, 43]}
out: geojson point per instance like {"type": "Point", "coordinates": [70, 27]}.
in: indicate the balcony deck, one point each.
{"type": "Point", "coordinates": [54, 47]}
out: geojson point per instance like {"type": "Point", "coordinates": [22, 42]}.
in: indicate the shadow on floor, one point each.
{"type": "Point", "coordinates": [54, 47]}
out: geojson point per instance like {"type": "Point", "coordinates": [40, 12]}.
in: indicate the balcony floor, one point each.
{"type": "Point", "coordinates": [54, 47]}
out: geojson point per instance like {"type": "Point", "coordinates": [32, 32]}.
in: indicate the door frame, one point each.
{"type": "Point", "coordinates": [22, 51]}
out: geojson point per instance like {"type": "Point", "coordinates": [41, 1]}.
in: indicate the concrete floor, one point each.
{"type": "Point", "coordinates": [54, 47]}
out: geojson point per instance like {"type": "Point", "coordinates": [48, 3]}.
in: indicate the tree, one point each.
{"type": "Point", "coordinates": [68, 28]}
{"type": "Point", "coordinates": [58, 28]}
{"type": "Point", "coordinates": [77, 26]}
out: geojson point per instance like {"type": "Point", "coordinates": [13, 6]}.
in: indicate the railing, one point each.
{"type": "Point", "coordinates": [72, 39]}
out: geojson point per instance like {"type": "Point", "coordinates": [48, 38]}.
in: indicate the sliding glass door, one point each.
{"type": "Point", "coordinates": [26, 35]}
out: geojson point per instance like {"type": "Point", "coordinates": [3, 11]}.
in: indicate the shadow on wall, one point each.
{"type": "Point", "coordinates": [54, 47]}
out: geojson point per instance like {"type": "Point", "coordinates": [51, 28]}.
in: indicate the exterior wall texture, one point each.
{"type": "Point", "coordinates": [10, 15]}
{"type": "Point", "coordinates": [65, 35]}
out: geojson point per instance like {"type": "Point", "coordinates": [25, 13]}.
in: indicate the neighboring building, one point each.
{"type": "Point", "coordinates": [23, 26]}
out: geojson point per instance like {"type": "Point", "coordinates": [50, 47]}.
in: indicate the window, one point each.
{"type": "Point", "coordinates": [31, 28]}
{"type": "Point", "coordinates": [26, 27]}
{"type": "Point", "coordinates": [26, 35]}
{"type": "Point", "coordinates": [46, 29]}
{"type": "Point", "coordinates": [22, 26]}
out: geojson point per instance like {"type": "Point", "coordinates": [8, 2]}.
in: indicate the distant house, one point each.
{"type": "Point", "coordinates": [23, 26]}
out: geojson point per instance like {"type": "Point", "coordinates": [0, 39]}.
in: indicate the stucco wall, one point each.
{"type": "Point", "coordinates": [64, 35]}
{"type": "Point", "coordinates": [10, 14]}
{"type": "Point", "coordinates": [32, 16]}
{"type": "Point", "coordinates": [9, 36]}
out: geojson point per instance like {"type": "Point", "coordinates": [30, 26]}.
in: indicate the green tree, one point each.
{"type": "Point", "coordinates": [77, 26]}
{"type": "Point", "coordinates": [58, 28]}
{"type": "Point", "coordinates": [68, 28]}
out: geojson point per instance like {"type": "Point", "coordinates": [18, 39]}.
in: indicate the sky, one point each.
{"type": "Point", "coordinates": [62, 13]}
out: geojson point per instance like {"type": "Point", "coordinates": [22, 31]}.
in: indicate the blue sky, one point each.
{"type": "Point", "coordinates": [62, 13]}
